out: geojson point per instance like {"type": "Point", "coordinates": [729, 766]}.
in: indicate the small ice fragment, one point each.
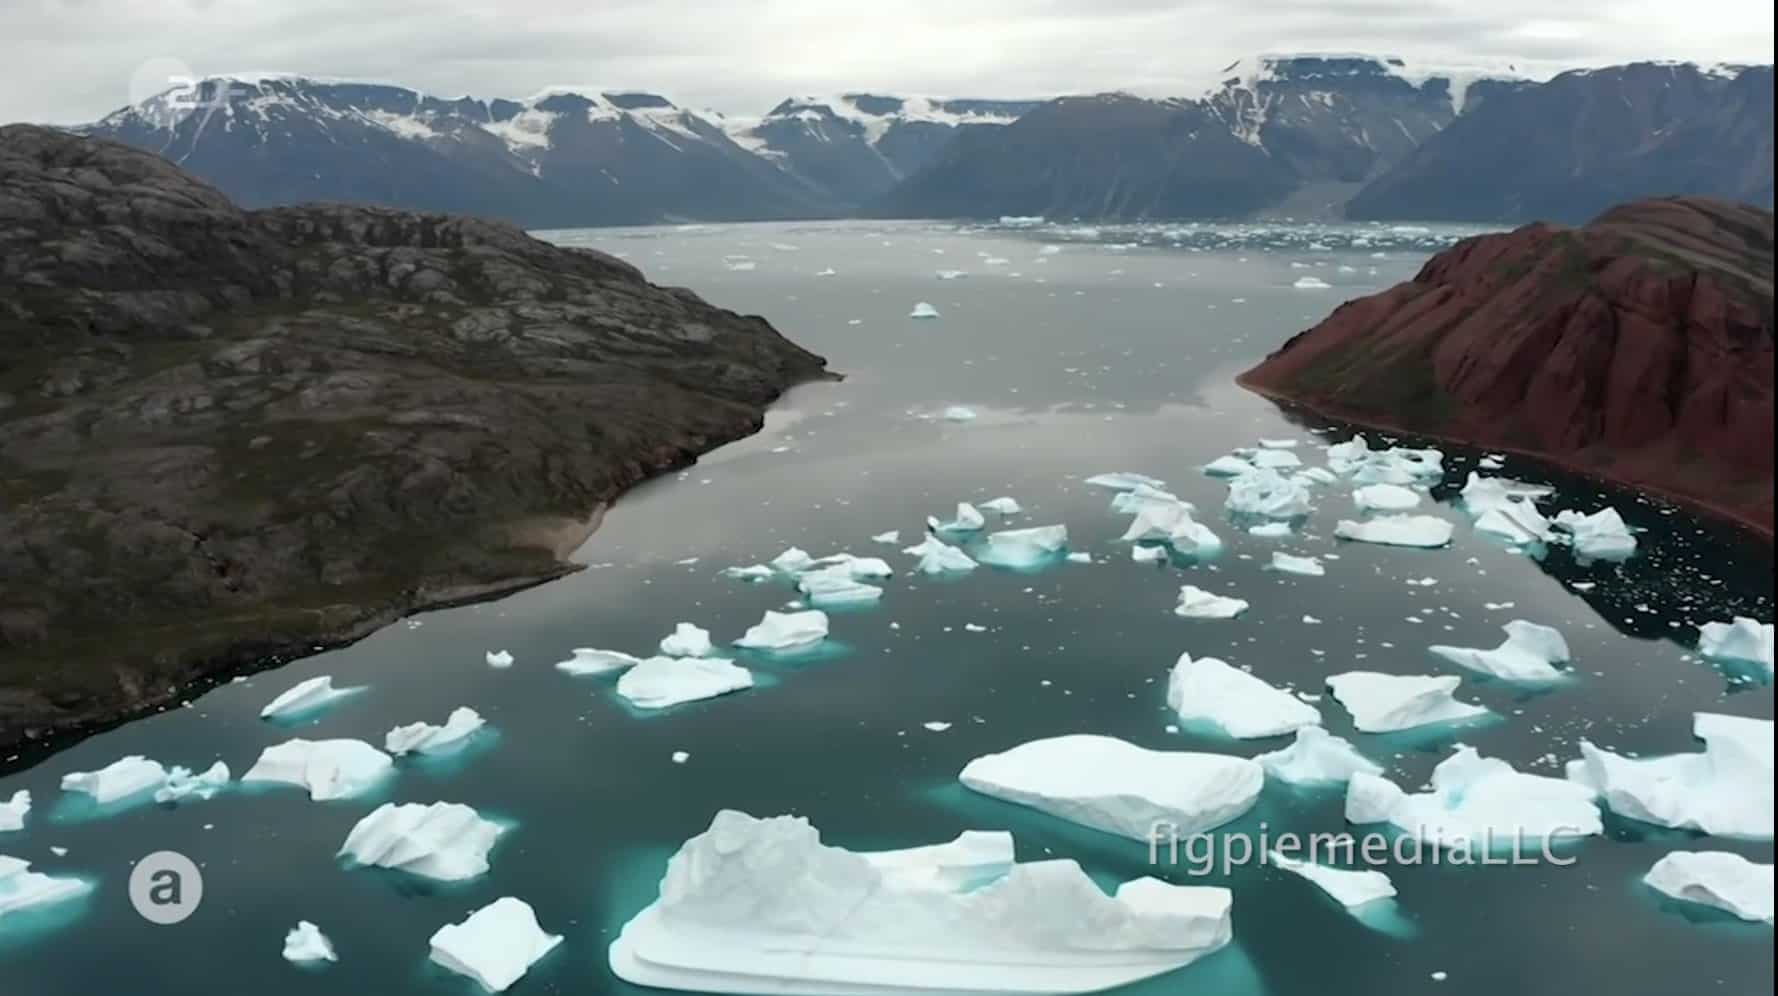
{"type": "Point", "coordinates": [496, 945]}
{"type": "Point", "coordinates": [1383, 703]}
{"type": "Point", "coordinates": [968, 519]}
{"type": "Point", "coordinates": [687, 640]}
{"type": "Point", "coordinates": [951, 274]}
{"type": "Point", "coordinates": [958, 413]}
{"type": "Point", "coordinates": [444, 841]}
{"type": "Point", "coordinates": [1292, 564]}
{"type": "Point", "coordinates": [1270, 530]}
{"type": "Point", "coordinates": [891, 538]}
{"type": "Point", "coordinates": [13, 812]}
{"type": "Point", "coordinates": [499, 659]}
{"type": "Point", "coordinates": [1148, 554]}
{"type": "Point", "coordinates": [1124, 481]}
{"type": "Point", "coordinates": [936, 726]}
{"type": "Point", "coordinates": [589, 661]}
{"type": "Point", "coordinates": [1277, 460]}
{"type": "Point", "coordinates": [1080, 557]}
{"type": "Point", "coordinates": [1317, 757]}
{"type": "Point", "coordinates": [121, 779]}
{"type": "Point", "coordinates": [1002, 506]}
{"type": "Point", "coordinates": [939, 557]}
{"type": "Point", "coordinates": [1718, 879]}
{"type": "Point", "coordinates": [779, 632]}
{"type": "Point", "coordinates": [1227, 466]}
{"type": "Point", "coordinates": [1310, 283]}
{"type": "Point", "coordinates": [1206, 689]}
{"type": "Point", "coordinates": [923, 310]}
{"type": "Point", "coordinates": [305, 944]}
{"type": "Point", "coordinates": [1277, 444]}
{"type": "Point", "coordinates": [424, 738]}
{"type": "Point", "coordinates": [1529, 654]}
{"type": "Point", "coordinates": [182, 784]}
{"type": "Point", "coordinates": [1348, 887]}
{"type": "Point", "coordinates": [1196, 603]}
{"type": "Point", "coordinates": [754, 572]}
{"type": "Point", "coordinates": [660, 682]}
{"type": "Point", "coordinates": [305, 696]}
{"type": "Point", "coordinates": [1426, 531]}
{"type": "Point", "coordinates": [680, 757]}
{"type": "Point", "coordinates": [328, 769]}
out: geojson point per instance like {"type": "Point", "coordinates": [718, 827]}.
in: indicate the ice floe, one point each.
{"type": "Point", "coordinates": [182, 784]}
{"type": "Point", "coordinates": [14, 811]}
{"type": "Point", "coordinates": [1292, 564]}
{"type": "Point", "coordinates": [1317, 757]}
{"type": "Point", "coordinates": [1478, 801]}
{"type": "Point", "coordinates": [590, 661]}
{"type": "Point", "coordinates": [425, 738]}
{"type": "Point", "coordinates": [1530, 654]}
{"type": "Point", "coordinates": [1148, 554]}
{"type": "Point", "coordinates": [687, 640]}
{"type": "Point", "coordinates": [1310, 283]}
{"type": "Point", "coordinates": [1743, 640]}
{"type": "Point", "coordinates": [1227, 466]}
{"type": "Point", "coordinates": [1019, 548]}
{"type": "Point", "coordinates": [1115, 786]}
{"type": "Point", "coordinates": [958, 413]}
{"type": "Point", "coordinates": [660, 682]}
{"type": "Point", "coordinates": [1157, 520]}
{"type": "Point", "coordinates": [1506, 508]}
{"type": "Point", "coordinates": [1601, 536]}
{"type": "Point", "coordinates": [496, 945]}
{"type": "Point", "coordinates": [1726, 789]}
{"type": "Point", "coordinates": [1383, 703]}
{"type": "Point", "coordinates": [836, 586]}
{"type": "Point", "coordinates": [328, 769]}
{"type": "Point", "coordinates": [445, 841]}
{"type": "Point", "coordinates": [890, 538]}
{"type": "Point", "coordinates": [938, 557]}
{"type": "Point", "coordinates": [968, 519]}
{"type": "Point", "coordinates": [1348, 887]}
{"type": "Point", "coordinates": [1717, 879]}
{"type": "Point", "coordinates": [1196, 603]}
{"type": "Point", "coordinates": [305, 944]}
{"type": "Point", "coordinates": [1125, 481]}
{"type": "Point", "coordinates": [121, 779]}
{"type": "Point", "coordinates": [923, 310]}
{"type": "Point", "coordinates": [305, 697]}
{"type": "Point", "coordinates": [1005, 505]}
{"type": "Point", "coordinates": [1426, 531]}
{"type": "Point", "coordinates": [23, 889]}
{"type": "Point", "coordinates": [1205, 689]}
{"type": "Point", "coordinates": [780, 632]}
{"type": "Point", "coordinates": [1270, 530]}
{"type": "Point", "coordinates": [752, 572]}
{"type": "Point", "coordinates": [1385, 498]}
{"type": "Point", "coordinates": [1266, 494]}
{"type": "Point", "coordinates": [1142, 496]}
{"type": "Point", "coordinates": [499, 659]}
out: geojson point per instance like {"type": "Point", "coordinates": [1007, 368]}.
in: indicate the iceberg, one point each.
{"type": "Point", "coordinates": [939, 557]}
{"type": "Point", "coordinates": [496, 945]}
{"type": "Point", "coordinates": [305, 944]}
{"type": "Point", "coordinates": [1196, 603]}
{"type": "Point", "coordinates": [305, 696]}
{"type": "Point", "coordinates": [1266, 494]}
{"type": "Point", "coordinates": [444, 841]}
{"type": "Point", "coordinates": [1427, 531]}
{"type": "Point", "coordinates": [793, 561]}
{"type": "Point", "coordinates": [1726, 790]}
{"type": "Point", "coordinates": [763, 906]}
{"type": "Point", "coordinates": [1529, 654]}
{"type": "Point", "coordinates": [836, 586]}
{"type": "Point", "coordinates": [424, 738]}
{"type": "Point", "coordinates": [1317, 757]}
{"type": "Point", "coordinates": [1019, 548]}
{"type": "Point", "coordinates": [182, 784]}
{"type": "Point", "coordinates": [660, 682]}
{"type": "Point", "coordinates": [1743, 640]}
{"type": "Point", "coordinates": [22, 889]}
{"type": "Point", "coordinates": [687, 640]}
{"type": "Point", "coordinates": [121, 779]}
{"type": "Point", "coordinates": [328, 769]}
{"type": "Point", "coordinates": [889, 538]}
{"type": "Point", "coordinates": [1384, 703]}
{"type": "Point", "coordinates": [1142, 496]}
{"type": "Point", "coordinates": [923, 310]}
{"type": "Point", "coordinates": [1717, 879]}
{"type": "Point", "coordinates": [1002, 506]}
{"type": "Point", "coordinates": [1344, 458]}
{"type": "Point", "coordinates": [1270, 530]}
{"type": "Point", "coordinates": [1505, 508]}
{"type": "Point", "coordinates": [1311, 283]}
{"type": "Point", "coordinates": [1315, 475]}
{"type": "Point", "coordinates": [1602, 535]}
{"type": "Point", "coordinates": [1125, 481]}
{"type": "Point", "coordinates": [1385, 498]}
{"type": "Point", "coordinates": [1148, 554]}
{"type": "Point", "coordinates": [968, 520]}
{"type": "Point", "coordinates": [1227, 466]}
{"type": "Point", "coordinates": [1158, 521]}
{"type": "Point", "coordinates": [1291, 564]}
{"type": "Point", "coordinates": [785, 631]}
{"type": "Point", "coordinates": [1117, 787]}
{"type": "Point", "coordinates": [1349, 888]}
{"type": "Point", "coordinates": [588, 661]}
{"type": "Point", "coordinates": [1206, 689]}
{"type": "Point", "coordinates": [14, 811]}
{"type": "Point", "coordinates": [1477, 801]}
{"type": "Point", "coordinates": [1277, 444]}
{"type": "Point", "coordinates": [1277, 460]}
{"type": "Point", "coordinates": [750, 573]}
{"type": "Point", "coordinates": [957, 413]}
{"type": "Point", "coordinates": [499, 659]}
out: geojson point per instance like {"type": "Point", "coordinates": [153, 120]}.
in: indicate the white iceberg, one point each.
{"type": "Point", "coordinates": [1171, 523]}
{"type": "Point", "coordinates": [444, 841]}
{"type": "Point", "coordinates": [952, 274]}
{"type": "Point", "coordinates": [304, 697]}
{"type": "Point", "coordinates": [22, 889]}
{"type": "Point", "coordinates": [14, 811]}
{"type": "Point", "coordinates": [121, 779]}
{"type": "Point", "coordinates": [1478, 801]}
{"type": "Point", "coordinates": [923, 310]}
{"type": "Point", "coordinates": [589, 661]}
{"type": "Point", "coordinates": [182, 784]}
{"type": "Point", "coordinates": [1725, 790]}
{"type": "Point", "coordinates": [1206, 689]}
{"type": "Point", "coordinates": [1529, 654]}
{"type": "Point", "coordinates": [1002, 506]}
{"type": "Point", "coordinates": [786, 631]}
{"type": "Point", "coordinates": [498, 659]}
{"type": "Point", "coordinates": [1270, 530]}
{"type": "Point", "coordinates": [1125, 481]}
{"type": "Point", "coordinates": [1024, 547]}
{"type": "Point", "coordinates": [1277, 444]}
{"type": "Point", "coordinates": [1315, 475]}
{"type": "Point", "coordinates": [1744, 640]}
{"type": "Point", "coordinates": [305, 944]}
{"type": "Point", "coordinates": [1277, 460]}
{"type": "Point", "coordinates": [938, 557]}
{"type": "Point", "coordinates": [496, 945]}
{"type": "Point", "coordinates": [1506, 508]}
{"type": "Point", "coordinates": [1602, 535]}
{"type": "Point", "coordinates": [1310, 283]}
{"type": "Point", "coordinates": [1385, 498]}
{"type": "Point", "coordinates": [1196, 603]}
{"type": "Point", "coordinates": [750, 573]}
{"type": "Point", "coordinates": [1142, 496]}
{"type": "Point", "coordinates": [1267, 494]}
{"type": "Point", "coordinates": [793, 561]}
{"type": "Point", "coordinates": [1384, 703]}
{"type": "Point", "coordinates": [424, 738]}
{"type": "Point", "coordinates": [1426, 531]}
{"type": "Point", "coordinates": [1292, 564]}
{"type": "Point", "coordinates": [836, 586]}
{"type": "Point", "coordinates": [1317, 757]}
{"type": "Point", "coordinates": [968, 519]}
{"type": "Point", "coordinates": [763, 906]}
{"type": "Point", "coordinates": [1718, 879]}
{"type": "Point", "coordinates": [687, 640]}
{"type": "Point", "coordinates": [328, 769]}
{"type": "Point", "coordinates": [1348, 887]}
{"type": "Point", "coordinates": [1227, 466]}
{"type": "Point", "coordinates": [889, 538]}
{"type": "Point", "coordinates": [1148, 554]}
{"type": "Point", "coordinates": [957, 413]}
{"type": "Point", "coordinates": [1111, 785]}
{"type": "Point", "coordinates": [660, 682]}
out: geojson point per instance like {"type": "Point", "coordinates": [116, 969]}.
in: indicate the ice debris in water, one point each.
{"type": "Point", "coordinates": [305, 697]}
{"type": "Point", "coordinates": [1277, 444]}
{"type": "Point", "coordinates": [1111, 785]}
{"type": "Point", "coordinates": [1717, 879]}
{"type": "Point", "coordinates": [1426, 531]}
{"type": "Point", "coordinates": [496, 945]}
{"type": "Point", "coordinates": [1397, 465]}
{"type": "Point", "coordinates": [737, 902]}
{"type": "Point", "coordinates": [1266, 494]}
{"type": "Point", "coordinates": [1602, 535]}
{"type": "Point", "coordinates": [1196, 603]}
{"type": "Point", "coordinates": [499, 659]}
{"type": "Point", "coordinates": [1142, 497]}
{"type": "Point", "coordinates": [660, 682]}
{"type": "Point", "coordinates": [1317, 757]}
{"type": "Point", "coordinates": [889, 538]}
{"type": "Point", "coordinates": [1743, 640]}
{"type": "Point", "coordinates": [939, 557]}
{"type": "Point", "coordinates": [1310, 283]}
{"type": "Point", "coordinates": [1227, 466]}
{"type": "Point", "coordinates": [958, 413]}
{"type": "Point", "coordinates": [14, 811]}
{"type": "Point", "coordinates": [444, 841]}
{"type": "Point", "coordinates": [1477, 801]}
{"type": "Point", "coordinates": [835, 586]}
{"type": "Point", "coordinates": [1270, 530]}
{"type": "Point", "coordinates": [121, 779]}
{"type": "Point", "coordinates": [1506, 508]}
{"type": "Point", "coordinates": [182, 784]}
{"type": "Point", "coordinates": [1725, 790]}
{"type": "Point", "coordinates": [1529, 654]}
{"type": "Point", "coordinates": [923, 310]}
{"type": "Point", "coordinates": [1148, 554]}
{"type": "Point", "coordinates": [1385, 498]}
{"type": "Point", "coordinates": [590, 661]}
{"type": "Point", "coordinates": [1277, 460]}
{"type": "Point", "coordinates": [424, 738]}
{"type": "Point", "coordinates": [1125, 481]}
{"type": "Point", "coordinates": [780, 632]}
{"type": "Point", "coordinates": [1292, 564]}
{"type": "Point", "coordinates": [968, 519]}
{"type": "Point", "coordinates": [1172, 523]}
{"type": "Point", "coordinates": [1384, 703]}
{"type": "Point", "coordinates": [753, 572]}
{"type": "Point", "coordinates": [1205, 689]}
{"type": "Point", "coordinates": [22, 889]}
{"type": "Point", "coordinates": [305, 944]}
{"type": "Point", "coordinates": [328, 769]}
{"type": "Point", "coordinates": [687, 640]}
{"type": "Point", "coordinates": [1024, 547]}
{"type": "Point", "coordinates": [1348, 887]}
{"type": "Point", "coordinates": [1002, 506]}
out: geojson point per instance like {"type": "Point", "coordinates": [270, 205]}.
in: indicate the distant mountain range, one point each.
{"type": "Point", "coordinates": [1306, 135]}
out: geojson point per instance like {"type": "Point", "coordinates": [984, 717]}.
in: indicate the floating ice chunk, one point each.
{"type": "Point", "coordinates": [952, 274]}
{"type": "Point", "coordinates": [1725, 790]}
{"type": "Point", "coordinates": [1002, 506]}
{"type": "Point", "coordinates": [680, 757]}
{"type": "Point", "coordinates": [305, 944]}
{"type": "Point", "coordinates": [424, 738]}
{"type": "Point", "coordinates": [891, 538]}
{"type": "Point", "coordinates": [1529, 654]}
{"type": "Point", "coordinates": [836, 586]}
{"type": "Point", "coordinates": [446, 841]}
{"type": "Point", "coordinates": [1717, 879]}
{"type": "Point", "coordinates": [1148, 554]}
{"type": "Point", "coordinates": [660, 682]}
{"type": "Point", "coordinates": [1133, 501]}
{"type": "Point", "coordinates": [1245, 707]}
{"type": "Point", "coordinates": [1120, 788]}
{"type": "Point", "coordinates": [1124, 481]}
{"type": "Point", "coordinates": [1080, 557]}
{"type": "Point", "coordinates": [1291, 564]}
{"type": "Point", "coordinates": [1505, 508]}
{"type": "Point", "coordinates": [936, 726]}
{"type": "Point", "coordinates": [1310, 283]}
{"type": "Point", "coordinates": [499, 659]}
{"type": "Point", "coordinates": [1346, 457]}
{"type": "Point", "coordinates": [861, 568]}
{"type": "Point", "coordinates": [1227, 466]}
{"type": "Point", "coordinates": [304, 697]}
{"type": "Point", "coordinates": [738, 901]}
{"type": "Point", "coordinates": [754, 572]}
{"type": "Point", "coordinates": [785, 631]}
{"type": "Point", "coordinates": [687, 640]}
{"type": "Point", "coordinates": [1744, 640]}
{"type": "Point", "coordinates": [1196, 603]}
{"type": "Point", "coordinates": [496, 945]}
{"type": "Point", "coordinates": [1317, 757]}
{"type": "Point", "coordinates": [1397, 465]}
{"type": "Point", "coordinates": [121, 779]}
{"type": "Point", "coordinates": [182, 784]}
{"type": "Point", "coordinates": [588, 661]}
{"type": "Point", "coordinates": [1477, 800]}
{"type": "Point", "coordinates": [1314, 476]}
{"type": "Point", "coordinates": [939, 557]}
{"type": "Point", "coordinates": [1602, 535]}
{"type": "Point", "coordinates": [1277, 444]}
{"type": "Point", "coordinates": [14, 811]}
{"type": "Point", "coordinates": [923, 310]}
{"type": "Point", "coordinates": [1276, 460]}
{"type": "Point", "coordinates": [1349, 888]}
{"type": "Point", "coordinates": [1270, 530]}
{"type": "Point", "coordinates": [22, 889]}
{"type": "Point", "coordinates": [968, 519]}
{"type": "Point", "coordinates": [1383, 703]}
{"type": "Point", "coordinates": [958, 413]}
{"type": "Point", "coordinates": [1267, 494]}
{"type": "Point", "coordinates": [793, 561]}
{"type": "Point", "coordinates": [1024, 547]}
{"type": "Point", "coordinates": [1385, 498]}
{"type": "Point", "coordinates": [1427, 531]}
{"type": "Point", "coordinates": [1480, 493]}
{"type": "Point", "coordinates": [328, 769]}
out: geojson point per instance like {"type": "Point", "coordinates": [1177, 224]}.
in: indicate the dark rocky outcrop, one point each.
{"type": "Point", "coordinates": [231, 434]}
{"type": "Point", "coordinates": [1637, 349]}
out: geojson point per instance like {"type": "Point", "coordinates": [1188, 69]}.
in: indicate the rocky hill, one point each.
{"type": "Point", "coordinates": [228, 434]}
{"type": "Point", "coordinates": [1637, 348]}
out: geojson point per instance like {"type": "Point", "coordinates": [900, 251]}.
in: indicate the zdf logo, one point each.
{"type": "Point", "coordinates": [166, 887]}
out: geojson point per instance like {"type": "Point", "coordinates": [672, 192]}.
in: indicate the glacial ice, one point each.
{"type": "Point", "coordinates": [1348, 887]}
{"type": "Point", "coordinates": [1002, 506]}
{"type": "Point", "coordinates": [304, 697]}
{"type": "Point", "coordinates": [121, 779]}
{"type": "Point", "coordinates": [22, 889]}
{"type": "Point", "coordinates": [328, 769]}
{"type": "Point", "coordinates": [836, 586]}
{"type": "Point", "coordinates": [1277, 460]}
{"type": "Point", "coordinates": [1529, 654]}
{"type": "Point", "coordinates": [424, 738]}
{"type": "Point", "coordinates": [1384, 703]}
{"type": "Point", "coordinates": [1270, 530]}
{"type": "Point", "coordinates": [182, 784]}
{"type": "Point", "coordinates": [1385, 498]}
{"type": "Point", "coordinates": [1314, 475]}
{"type": "Point", "coordinates": [763, 906]}
{"type": "Point", "coordinates": [444, 841]}
{"type": "Point", "coordinates": [1743, 640]}
{"type": "Point", "coordinates": [660, 682]}
{"type": "Point", "coordinates": [958, 413]}
{"type": "Point", "coordinates": [752, 572]}
{"type": "Point", "coordinates": [889, 538]}
{"type": "Point", "coordinates": [793, 561]}
{"type": "Point", "coordinates": [1602, 535]}
{"type": "Point", "coordinates": [1476, 800]}
{"type": "Point", "coordinates": [305, 944]}
{"type": "Point", "coordinates": [939, 557]}
{"type": "Point", "coordinates": [589, 661]}
{"type": "Point", "coordinates": [967, 520]}
{"type": "Point", "coordinates": [1148, 554]}
{"type": "Point", "coordinates": [687, 640]}
{"type": "Point", "coordinates": [1111, 785]}
{"type": "Point", "coordinates": [14, 811]}
{"type": "Point", "coordinates": [1018, 548]}
{"type": "Point", "coordinates": [496, 945]}
{"type": "Point", "coordinates": [1718, 879]}
{"type": "Point", "coordinates": [1310, 283]}
{"type": "Point", "coordinates": [1227, 466]}
{"type": "Point", "coordinates": [1317, 757]}
{"type": "Point", "coordinates": [923, 310]}
{"type": "Point", "coordinates": [1292, 564]}
{"type": "Point", "coordinates": [1267, 494]}
{"type": "Point", "coordinates": [780, 632]}
{"type": "Point", "coordinates": [1506, 508]}
{"type": "Point", "coordinates": [1277, 444]}
{"type": "Point", "coordinates": [1125, 481]}
{"type": "Point", "coordinates": [1245, 707]}
{"type": "Point", "coordinates": [1427, 531]}
{"type": "Point", "coordinates": [1196, 603]}
{"type": "Point", "coordinates": [1726, 790]}
{"type": "Point", "coordinates": [1397, 465]}
{"type": "Point", "coordinates": [1142, 496]}
{"type": "Point", "coordinates": [499, 659]}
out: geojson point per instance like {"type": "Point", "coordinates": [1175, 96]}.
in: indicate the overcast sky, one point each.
{"type": "Point", "coordinates": [75, 60]}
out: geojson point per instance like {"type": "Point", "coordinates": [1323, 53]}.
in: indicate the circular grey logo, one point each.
{"type": "Point", "coordinates": [166, 887]}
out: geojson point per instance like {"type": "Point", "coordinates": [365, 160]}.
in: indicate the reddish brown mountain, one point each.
{"type": "Point", "coordinates": [1636, 348]}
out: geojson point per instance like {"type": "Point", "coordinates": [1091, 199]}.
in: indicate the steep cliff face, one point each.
{"type": "Point", "coordinates": [1637, 348]}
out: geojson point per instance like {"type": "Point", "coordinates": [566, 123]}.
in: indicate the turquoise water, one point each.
{"type": "Point", "coordinates": [1077, 364]}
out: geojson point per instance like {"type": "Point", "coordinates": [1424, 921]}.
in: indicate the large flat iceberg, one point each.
{"type": "Point", "coordinates": [1426, 531]}
{"type": "Point", "coordinates": [121, 779]}
{"type": "Point", "coordinates": [1384, 703]}
{"type": "Point", "coordinates": [445, 841]}
{"type": "Point", "coordinates": [496, 945]}
{"type": "Point", "coordinates": [660, 682]}
{"type": "Point", "coordinates": [328, 769]}
{"type": "Point", "coordinates": [781, 632]}
{"type": "Point", "coordinates": [1725, 790]}
{"type": "Point", "coordinates": [1530, 654]}
{"type": "Point", "coordinates": [1717, 879]}
{"type": "Point", "coordinates": [1207, 690]}
{"type": "Point", "coordinates": [1478, 801]}
{"type": "Point", "coordinates": [1024, 547]}
{"type": "Point", "coordinates": [1317, 757]}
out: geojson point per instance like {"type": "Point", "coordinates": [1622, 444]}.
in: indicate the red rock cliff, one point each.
{"type": "Point", "coordinates": [1637, 348]}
